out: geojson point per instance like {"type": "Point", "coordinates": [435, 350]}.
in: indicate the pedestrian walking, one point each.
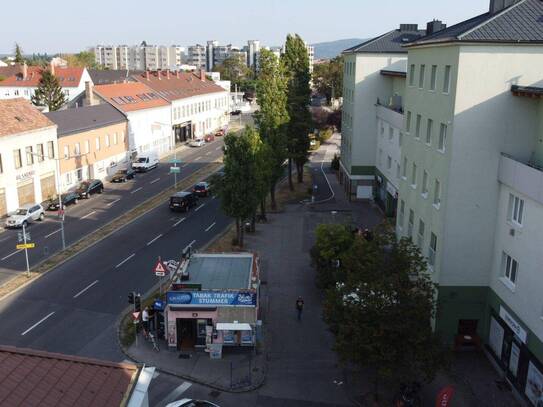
{"type": "Point", "coordinates": [299, 307]}
{"type": "Point", "coordinates": [145, 320]}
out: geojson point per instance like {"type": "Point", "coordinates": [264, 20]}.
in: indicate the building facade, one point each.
{"type": "Point", "coordinates": [139, 57]}
{"type": "Point", "coordinates": [197, 56]}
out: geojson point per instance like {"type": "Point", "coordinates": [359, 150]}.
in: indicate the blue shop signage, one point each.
{"type": "Point", "coordinates": [212, 298]}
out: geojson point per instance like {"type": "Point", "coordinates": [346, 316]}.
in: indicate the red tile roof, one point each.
{"type": "Point", "coordinates": [19, 116]}
{"type": "Point", "coordinates": [35, 378]}
{"type": "Point", "coordinates": [178, 85]}
{"type": "Point", "coordinates": [130, 96]}
{"type": "Point", "coordinates": [68, 77]}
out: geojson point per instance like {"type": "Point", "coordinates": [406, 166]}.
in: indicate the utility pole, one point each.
{"type": "Point", "coordinates": [26, 250]}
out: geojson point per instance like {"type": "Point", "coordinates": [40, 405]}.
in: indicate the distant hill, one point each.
{"type": "Point", "coordinates": [332, 49]}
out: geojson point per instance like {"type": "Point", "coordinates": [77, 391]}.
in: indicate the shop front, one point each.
{"type": "Point", "coordinates": [385, 195]}
{"type": "Point", "coordinates": [182, 132]}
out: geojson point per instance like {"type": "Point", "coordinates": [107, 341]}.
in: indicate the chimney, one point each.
{"type": "Point", "coordinates": [159, 74]}
{"type": "Point", "coordinates": [147, 75]}
{"type": "Point", "coordinates": [177, 74]}
{"type": "Point", "coordinates": [409, 27]}
{"type": "Point", "coordinates": [167, 74]}
{"type": "Point", "coordinates": [435, 26]}
{"type": "Point", "coordinates": [25, 70]}
{"type": "Point", "coordinates": [89, 94]}
{"type": "Point", "coordinates": [498, 5]}
{"type": "Point", "coordinates": [52, 67]}
{"type": "Point", "coordinates": [202, 75]}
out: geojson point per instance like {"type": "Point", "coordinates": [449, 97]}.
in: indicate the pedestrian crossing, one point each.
{"type": "Point", "coordinates": [175, 394]}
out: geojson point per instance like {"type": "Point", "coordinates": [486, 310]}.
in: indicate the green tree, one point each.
{"type": "Point", "coordinates": [18, 54]}
{"type": "Point", "coordinates": [235, 70]}
{"type": "Point", "coordinates": [296, 63]}
{"type": "Point", "coordinates": [328, 78]}
{"type": "Point", "coordinates": [49, 92]}
{"type": "Point", "coordinates": [83, 59]}
{"type": "Point", "coordinates": [272, 117]}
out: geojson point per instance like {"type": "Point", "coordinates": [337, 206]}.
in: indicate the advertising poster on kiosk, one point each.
{"type": "Point", "coordinates": [534, 385]}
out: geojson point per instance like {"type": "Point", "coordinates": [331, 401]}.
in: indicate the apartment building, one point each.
{"type": "Point", "coordinates": [139, 57]}
{"type": "Point", "coordinates": [253, 54]}
{"type": "Point", "coordinates": [197, 56]}
{"type": "Point", "coordinates": [471, 190]}
{"type": "Point", "coordinates": [311, 56]}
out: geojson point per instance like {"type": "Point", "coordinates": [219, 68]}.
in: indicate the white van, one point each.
{"type": "Point", "coordinates": [145, 162]}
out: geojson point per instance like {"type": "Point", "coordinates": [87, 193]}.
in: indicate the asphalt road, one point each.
{"type": "Point", "coordinates": [100, 209]}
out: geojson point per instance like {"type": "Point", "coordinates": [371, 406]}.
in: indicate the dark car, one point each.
{"type": "Point", "coordinates": [183, 201]}
{"type": "Point", "coordinates": [123, 175]}
{"type": "Point", "coordinates": [69, 198]}
{"type": "Point", "coordinates": [219, 133]}
{"type": "Point", "coordinates": [236, 112]}
{"type": "Point", "coordinates": [90, 187]}
{"type": "Point", "coordinates": [202, 189]}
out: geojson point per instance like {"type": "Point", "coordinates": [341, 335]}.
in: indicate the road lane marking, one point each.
{"type": "Point", "coordinates": [200, 207]}
{"type": "Point", "coordinates": [154, 240]}
{"type": "Point", "coordinates": [198, 158]}
{"type": "Point", "coordinates": [111, 203]}
{"type": "Point", "coordinates": [209, 152]}
{"type": "Point", "coordinates": [155, 180]}
{"type": "Point", "coordinates": [218, 148]}
{"type": "Point", "coordinates": [210, 226]}
{"type": "Point", "coordinates": [189, 245]}
{"type": "Point", "coordinates": [213, 197]}
{"type": "Point", "coordinates": [175, 393]}
{"type": "Point", "coordinates": [125, 260]}
{"type": "Point", "coordinates": [88, 214]}
{"type": "Point", "coordinates": [85, 289]}
{"type": "Point", "coordinates": [184, 165]}
{"type": "Point", "coordinates": [9, 255]}
{"type": "Point", "coordinates": [52, 233]}
{"type": "Point", "coordinates": [179, 221]}
{"type": "Point", "coordinates": [136, 190]}
{"type": "Point", "coordinates": [36, 324]}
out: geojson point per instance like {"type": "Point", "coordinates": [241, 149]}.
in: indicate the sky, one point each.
{"type": "Point", "coordinates": [72, 25]}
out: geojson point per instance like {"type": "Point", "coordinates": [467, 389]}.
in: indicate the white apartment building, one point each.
{"type": "Point", "coordinates": [197, 56]}
{"type": "Point", "coordinates": [311, 56]}
{"type": "Point", "coordinates": [253, 54]}
{"type": "Point", "coordinates": [139, 57]}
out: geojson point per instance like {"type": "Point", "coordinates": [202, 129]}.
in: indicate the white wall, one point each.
{"type": "Point", "coordinates": [150, 130]}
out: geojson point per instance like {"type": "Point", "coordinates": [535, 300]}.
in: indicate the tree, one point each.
{"type": "Point", "coordinates": [49, 92]}
{"type": "Point", "coordinates": [235, 70]}
{"type": "Point", "coordinates": [381, 310]}
{"type": "Point", "coordinates": [83, 59]}
{"type": "Point", "coordinates": [296, 63]}
{"type": "Point", "coordinates": [18, 54]}
{"type": "Point", "coordinates": [272, 118]}
{"type": "Point", "coordinates": [328, 78]}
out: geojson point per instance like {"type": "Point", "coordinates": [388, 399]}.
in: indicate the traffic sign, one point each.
{"type": "Point", "coordinates": [136, 315]}
{"type": "Point", "coordinates": [175, 170]}
{"type": "Point", "coordinates": [21, 237]}
{"type": "Point", "coordinates": [160, 270]}
{"type": "Point", "coordinates": [26, 246]}
{"type": "Point", "coordinates": [175, 161]}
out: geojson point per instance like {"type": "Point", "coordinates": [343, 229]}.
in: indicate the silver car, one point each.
{"type": "Point", "coordinates": [25, 215]}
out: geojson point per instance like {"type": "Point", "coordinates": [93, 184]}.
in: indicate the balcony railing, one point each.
{"type": "Point", "coordinates": [395, 104]}
{"type": "Point", "coordinates": [522, 176]}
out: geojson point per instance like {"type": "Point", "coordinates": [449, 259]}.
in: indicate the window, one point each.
{"type": "Point", "coordinates": [408, 122]}
{"type": "Point", "coordinates": [389, 163]}
{"type": "Point", "coordinates": [510, 269]}
{"type": "Point", "coordinates": [410, 224]}
{"type": "Point", "coordinates": [414, 175]}
{"type": "Point", "coordinates": [97, 143]}
{"type": "Point", "coordinates": [404, 172]}
{"type": "Point", "coordinates": [107, 140]}
{"type": "Point", "coordinates": [432, 249]}
{"type": "Point", "coordinates": [380, 156]}
{"type": "Point", "coordinates": [41, 155]}
{"type": "Point", "coordinates": [400, 139]}
{"type": "Point", "coordinates": [17, 158]}
{"type": "Point", "coordinates": [51, 149]}
{"type": "Point", "coordinates": [437, 194]}
{"type": "Point", "coordinates": [390, 134]}
{"type": "Point", "coordinates": [421, 76]}
{"type": "Point", "coordinates": [425, 184]}
{"type": "Point", "coordinates": [115, 139]}
{"type": "Point", "coordinates": [401, 214]}
{"type": "Point", "coordinates": [417, 126]}
{"type": "Point", "coordinates": [442, 137]}
{"type": "Point", "coordinates": [433, 77]}
{"type": "Point", "coordinates": [447, 79]}
{"type": "Point", "coordinates": [79, 174]}
{"type": "Point", "coordinates": [412, 75]}
{"type": "Point", "coordinates": [77, 149]}
{"type": "Point", "coordinates": [382, 128]}
{"type": "Point", "coordinates": [397, 170]}
{"type": "Point", "coordinates": [29, 155]}
{"type": "Point", "coordinates": [1, 166]}
{"type": "Point", "coordinates": [87, 146]}
{"type": "Point", "coordinates": [516, 209]}
{"type": "Point", "coordinates": [420, 237]}
{"type": "Point", "coordinates": [66, 151]}
{"type": "Point", "coordinates": [68, 178]}
{"type": "Point", "coordinates": [429, 129]}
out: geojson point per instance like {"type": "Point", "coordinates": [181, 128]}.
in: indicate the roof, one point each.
{"type": "Point", "coordinates": [19, 116]}
{"type": "Point", "coordinates": [528, 91]}
{"type": "Point", "coordinates": [221, 271]}
{"type": "Point", "coordinates": [35, 378]}
{"type": "Point", "coordinates": [81, 119]}
{"type": "Point", "coordinates": [109, 76]}
{"type": "Point", "coordinates": [520, 23]}
{"type": "Point", "coordinates": [7, 70]}
{"type": "Point", "coordinates": [178, 85]}
{"type": "Point", "coordinates": [390, 72]}
{"type": "Point", "coordinates": [390, 42]}
{"type": "Point", "coordinates": [130, 96]}
{"type": "Point", "coordinates": [68, 77]}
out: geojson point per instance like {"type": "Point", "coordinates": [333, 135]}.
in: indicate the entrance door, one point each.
{"type": "Point", "coordinates": [26, 194]}
{"type": "Point", "coordinates": [186, 333]}
{"type": "Point", "coordinates": [3, 204]}
{"type": "Point", "coordinates": [48, 189]}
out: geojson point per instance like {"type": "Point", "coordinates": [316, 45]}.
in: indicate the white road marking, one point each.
{"type": "Point", "coordinates": [210, 226]}
{"type": "Point", "coordinates": [154, 240]}
{"type": "Point", "coordinates": [52, 233]}
{"type": "Point", "coordinates": [125, 260]}
{"type": "Point", "coordinates": [179, 221]}
{"type": "Point", "coordinates": [88, 214]}
{"type": "Point", "coordinates": [198, 158]}
{"type": "Point", "coordinates": [155, 180]}
{"type": "Point", "coordinates": [184, 165]}
{"type": "Point", "coordinates": [85, 289]}
{"type": "Point", "coordinates": [115, 201]}
{"type": "Point", "coordinates": [36, 324]}
{"type": "Point", "coordinates": [218, 148]}
{"type": "Point", "coordinates": [189, 245]}
{"type": "Point", "coordinates": [200, 207]}
{"type": "Point", "coordinates": [175, 393]}
{"type": "Point", "coordinates": [209, 152]}
{"type": "Point", "coordinates": [136, 190]}
{"type": "Point", "coordinates": [9, 255]}
{"type": "Point", "coordinates": [213, 197]}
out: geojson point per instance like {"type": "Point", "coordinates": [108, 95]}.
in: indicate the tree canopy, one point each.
{"type": "Point", "coordinates": [49, 92]}
{"type": "Point", "coordinates": [235, 70]}
{"type": "Point", "coordinates": [18, 51]}
{"type": "Point", "coordinates": [83, 59]}
{"type": "Point", "coordinates": [328, 78]}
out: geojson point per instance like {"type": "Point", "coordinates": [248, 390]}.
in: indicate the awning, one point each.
{"type": "Point", "coordinates": [235, 326]}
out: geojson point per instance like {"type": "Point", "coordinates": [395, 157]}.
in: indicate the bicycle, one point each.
{"type": "Point", "coordinates": [152, 338]}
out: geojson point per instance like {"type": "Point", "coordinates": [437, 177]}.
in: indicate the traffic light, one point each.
{"type": "Point", "coordinates": [131, 297]}
{"type": "Point", "coordinates": [137, 303]}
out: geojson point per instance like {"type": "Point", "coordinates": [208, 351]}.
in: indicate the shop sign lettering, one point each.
{"type": "Point", "coordinates": [25, 175]}
{"type": "Point", "coordinates": [212, 298]}
{"type": "Point", "coordinates": [514, 325]}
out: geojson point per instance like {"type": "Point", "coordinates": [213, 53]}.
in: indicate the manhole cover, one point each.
{"type": "Point", "coordinates": [214, 394]}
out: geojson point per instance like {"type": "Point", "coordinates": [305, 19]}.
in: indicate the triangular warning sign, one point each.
{"type": "Point", "coordinates": [136, 316]}
{"type": "Point", "coordinates": [159, 268]}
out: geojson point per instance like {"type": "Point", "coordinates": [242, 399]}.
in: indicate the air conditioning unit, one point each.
{"type": "Point", "coordinates": [512, 232]}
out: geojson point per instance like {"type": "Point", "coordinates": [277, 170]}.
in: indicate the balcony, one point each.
{"type": "Point", "coordinates": [522, 176]}
{"type": "Point", "coordinates": [391, 112]}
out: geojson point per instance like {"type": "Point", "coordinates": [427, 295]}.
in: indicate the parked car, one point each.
{"type": "Point", "coordinates": [183, 201]}
{"type": "Point", "coordinates": [236, 112]}
{"type": "Point", "coordinates": [25, 215]}
{"type": "Point", "coordinates": [219, 133]}
{"type": "Point", "coordinates": [123, 175]}
{"type": "Point", "coordinates": [209, 138]}
{"type": "Point", "coordinates": [192, 403]}
{"type": "Point", "coordinates": [90, 187]}
{"type": "Point", "coordinates": [145, 162]}
{"type": "Point", "coordinates": [69, 198]}
{"type": "Point", "coordinates": [202, 189]}
{"type": "Point", "coordinates": [197, 142]}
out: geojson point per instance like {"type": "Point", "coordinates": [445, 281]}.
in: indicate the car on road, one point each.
{"type": "Point", "coordinates": [69, 198]}
{"type": "Point", "coordinates": [145, 162]}
{"type": "Point", "coordinates": [202, 189]}
{"type": "Point", "coordinates": [219, 133]}
{"type": "Point", "coordinates": [123, 175]}
{"type": "Point", "coordinates": [183, 201]}
{"type": "Point", "coordinates": [89, 187]}
{"type": "Point", "coordinates": [24, 215]}
{"type": "Point", "coordinates": [209, 138]}
{"type": "Point", "coordinates": [197, 142]}
{"type": "Point", "coordinates": [236, 112]}
{"type": "Point", "coordinates": [192, 403]}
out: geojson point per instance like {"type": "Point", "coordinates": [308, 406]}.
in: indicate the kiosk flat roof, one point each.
{"type": "Point", "coordinates": [221, 271]}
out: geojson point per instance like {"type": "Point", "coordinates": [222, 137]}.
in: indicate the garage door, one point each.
{"type": "Point", "coordinates": [3, 205]}
{"type": "Point", "coordinates": [48, 189]}
{"type": "Point", "coordinates": [26, 194]}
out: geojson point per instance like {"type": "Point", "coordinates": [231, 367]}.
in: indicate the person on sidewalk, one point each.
{"type": "Point", "coordinates": [299, 307]}
{"type": "Point", "coordinates": [145, 320]}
